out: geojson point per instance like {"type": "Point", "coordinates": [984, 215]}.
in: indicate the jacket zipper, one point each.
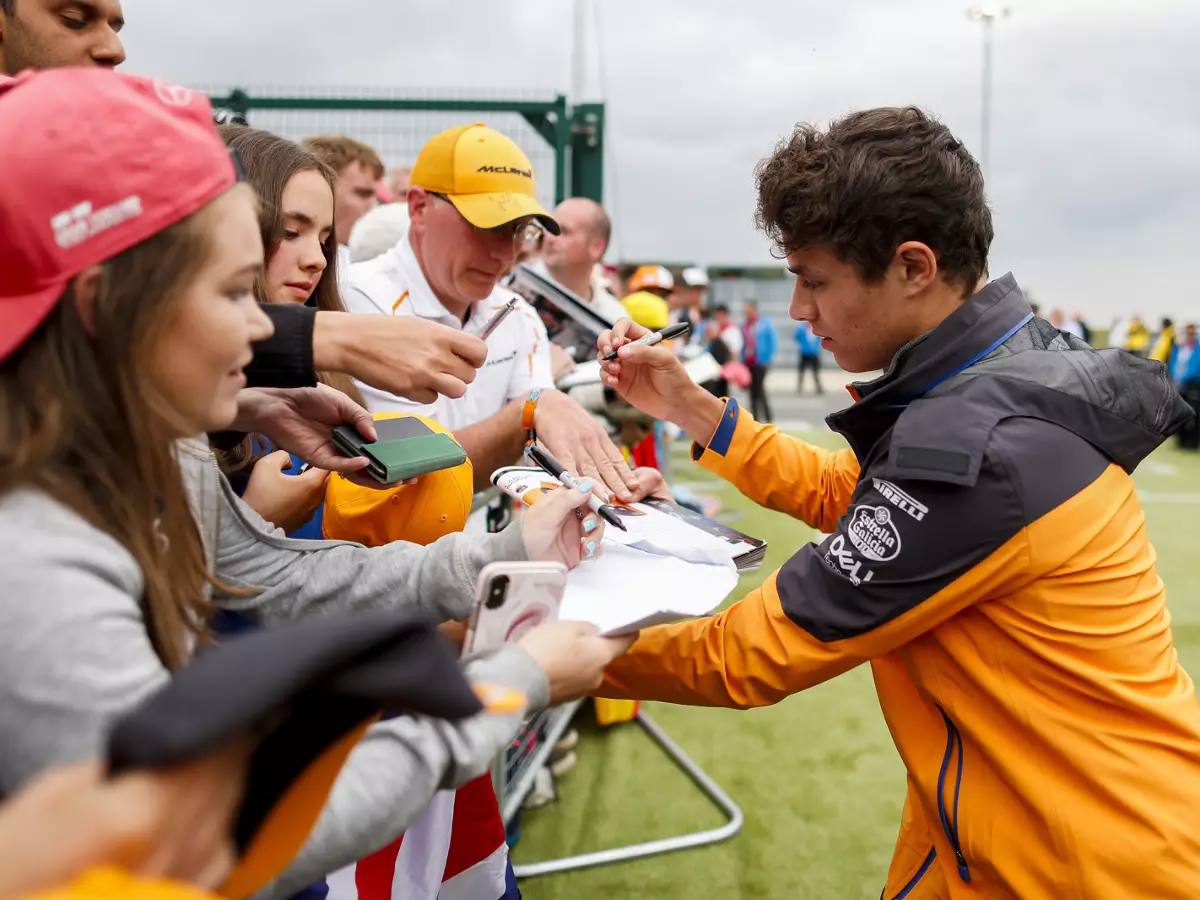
{"type": "Point", "coordinates": [912, 882]}
{"type": "Point", "coordinates": [953, 741]}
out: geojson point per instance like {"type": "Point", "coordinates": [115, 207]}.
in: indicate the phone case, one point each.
{"type": "Point", "coordinates": [533, 595]}
{"type": "Point", "coordinates": [407, 448]}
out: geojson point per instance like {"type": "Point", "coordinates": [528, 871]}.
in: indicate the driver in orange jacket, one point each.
{"type": "Point", "coordinates": [987, 552]}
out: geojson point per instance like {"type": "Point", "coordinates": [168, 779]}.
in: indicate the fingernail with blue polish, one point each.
{"type": "Point", "coordinates": [589, 525]}
{"type": "Point", "coordinates": [585, 486]}
{"type": "Point", "coordinates": [591, 549]}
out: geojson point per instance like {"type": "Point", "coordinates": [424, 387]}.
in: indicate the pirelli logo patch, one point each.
{"type": "Point", "coordinates": [901, 500]}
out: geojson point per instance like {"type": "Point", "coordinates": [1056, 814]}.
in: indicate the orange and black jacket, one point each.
{"type": "Point", "coordinates": [987, 554]}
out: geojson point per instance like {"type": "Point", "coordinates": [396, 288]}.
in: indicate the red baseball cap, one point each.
{"type": "Point", "coordinates": [95, 162]}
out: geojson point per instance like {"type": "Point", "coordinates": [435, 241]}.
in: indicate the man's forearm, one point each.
{"type": "Point", "coordinates": [494, 442]}
{"type": "Point", "coordinates": [698, 414]}
{"type": "Point", "coordinates": [331, 334]}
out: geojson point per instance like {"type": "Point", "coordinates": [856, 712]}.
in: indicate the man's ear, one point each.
{"type": "Point", "coordinates": [419, 202]}
{"type": "Point", "coordinates": [85, 288]}
{"type": "Point", "coordinates": [916, 265]}
{"type": "Point", "coordinates": [599, 248]}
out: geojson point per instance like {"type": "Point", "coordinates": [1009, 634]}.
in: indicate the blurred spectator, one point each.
{"type": "Point", "coordinates": [1071, 325]}
{"type": "Point", "coordinates": [689, 294]}
{"type": "Point", "coordinates": [718, 387]}
{"type": "Point", "coordinates": [759, 343]}
{"type": "Point", "coordinates": [1117, 332]}
{"type": "Point", "coordinates": [46, 34]}
{"type": "Point", "coordinates": [573, 257]}
{"type": "Point", "coordinates": [356, 168]}
{"type": "Point", "coordinates": [656, 279]}
{"type": "Point", "coordinates": [687, 303]}
{"type": "Point", "coordinates": [1137, 337]}
{"type": "Point", "coordinates": [379, 231]}
{"type": "Point", "coordinates": [398, 181]}
{"type": "Point", "coordinates": [1164, 344]}
{"type": "Point", "coordinates": [808, 347]}
{"type": "Point", "coordinates": [611, 276]}
{"type": "Point", "coordinates": [646, 303]}
{"type": "Point", "coordinates": [1185, 369]}
{"type": "Point", "coordinates": [1085, 331]}
{"type": "Point", "coordinates": [727, 331]}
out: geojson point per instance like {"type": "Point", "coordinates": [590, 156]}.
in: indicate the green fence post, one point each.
{"type": "Point", "coordinates": [562, 144]}
{"type": "Point", "coordinates": [587, 151]}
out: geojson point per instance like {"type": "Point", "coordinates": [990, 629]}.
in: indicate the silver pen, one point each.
{"type": "Point", "coordinates": [494, 321]}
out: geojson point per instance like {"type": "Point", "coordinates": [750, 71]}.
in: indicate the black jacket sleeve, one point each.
{"type": "Point", "coordinates": [285, 360]}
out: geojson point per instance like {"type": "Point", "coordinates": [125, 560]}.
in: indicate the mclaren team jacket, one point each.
{"type": "Point", "coordinates": [987, 554]}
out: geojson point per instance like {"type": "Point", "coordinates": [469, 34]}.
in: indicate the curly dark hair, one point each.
{"type": "Point", "coordinates": [872, 181]}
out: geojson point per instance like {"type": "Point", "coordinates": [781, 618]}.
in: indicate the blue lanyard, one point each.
{"type": "Point", "coordinates": [970, 362]}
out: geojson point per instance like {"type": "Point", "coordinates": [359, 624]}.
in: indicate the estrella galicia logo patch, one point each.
{"type": "Point", "coordinates": [873, 533]}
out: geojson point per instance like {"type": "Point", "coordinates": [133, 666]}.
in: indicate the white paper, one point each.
{"type": "Point", "coordinates": [626, 589]}
{"type": "Point", "coordinates": [662, 569]}
{"type": "Point", "coordinates": [664, 535]}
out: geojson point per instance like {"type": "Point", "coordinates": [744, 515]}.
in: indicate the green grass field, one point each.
{"type": "Point", "coordinates": [817, 776]}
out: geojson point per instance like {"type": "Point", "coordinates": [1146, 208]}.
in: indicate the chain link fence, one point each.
{"type": "Point", "coordinates": [398, 122]}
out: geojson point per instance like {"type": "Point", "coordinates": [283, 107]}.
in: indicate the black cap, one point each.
{"type": "Point", "coordinates": [305, 691]}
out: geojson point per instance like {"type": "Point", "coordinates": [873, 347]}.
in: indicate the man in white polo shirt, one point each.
{"type": "Point", "coordinates": [473, 205]}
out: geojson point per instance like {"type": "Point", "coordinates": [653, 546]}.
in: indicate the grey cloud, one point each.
{"type": "Point", "coordinates": [1096, 128]}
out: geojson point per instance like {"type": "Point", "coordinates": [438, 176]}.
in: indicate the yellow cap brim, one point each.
{"type": "Point", "coordinates": [494, 210]}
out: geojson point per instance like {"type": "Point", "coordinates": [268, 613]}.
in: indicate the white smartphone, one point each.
{"type": "Point", "coordinates": [511, 599]}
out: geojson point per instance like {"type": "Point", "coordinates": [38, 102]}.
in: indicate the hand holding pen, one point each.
{"type": "Point", "coordinates": [656, 337]}
{"type": "Point", "coordinates": [541, 457]}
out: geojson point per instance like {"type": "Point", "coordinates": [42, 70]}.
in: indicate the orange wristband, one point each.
{"type": "Point", "coordinates": [527, 414]}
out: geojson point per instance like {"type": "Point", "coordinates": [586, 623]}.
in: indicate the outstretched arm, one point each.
{"type": "Point", "coordinates": [772, 469]}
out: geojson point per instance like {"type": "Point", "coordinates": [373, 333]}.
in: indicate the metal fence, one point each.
{"type": "Point", "coordinates": [564, 143]}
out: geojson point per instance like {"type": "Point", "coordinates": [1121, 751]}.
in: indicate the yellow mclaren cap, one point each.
{"type": "Point", "coordinates": [437, 505]}
{"type": "Point", "coordinates": [487, 177]}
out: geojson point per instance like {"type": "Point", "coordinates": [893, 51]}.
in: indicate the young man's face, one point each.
{"type": "Point", "coordinates": [47, 34]}
{"type": "Point", "coordinates": [861, 324]}
{"type": "Point", "coordinates": [354, 198]}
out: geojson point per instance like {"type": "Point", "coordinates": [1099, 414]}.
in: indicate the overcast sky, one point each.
{"type": "Point", "coordinates": [1095, 171]}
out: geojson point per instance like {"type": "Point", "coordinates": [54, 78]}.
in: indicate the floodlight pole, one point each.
{"type": "Point", "coordinates": [579, 55]}
{"type": "Point", "coordinates": [988, 14]}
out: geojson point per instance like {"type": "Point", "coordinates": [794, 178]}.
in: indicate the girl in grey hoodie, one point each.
{"type": "Point", "coordinates": [131, 319]}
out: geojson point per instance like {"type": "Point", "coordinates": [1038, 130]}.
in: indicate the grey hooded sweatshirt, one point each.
{"type": "Point", "coordinates": [77, 654]}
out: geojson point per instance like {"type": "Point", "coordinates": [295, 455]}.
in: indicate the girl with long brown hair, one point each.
{"type": "Point", "coordinates": [128, 257]}
{"type": "Point", "coordinates": [296, 190]}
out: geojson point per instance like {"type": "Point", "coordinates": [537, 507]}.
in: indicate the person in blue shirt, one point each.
{"type": "Point", "coordinates": [808, 347]}
{"type": "Point", "coordinates": [758, 352]}
{"type": "Point", "coordinates": [1185, 370]}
